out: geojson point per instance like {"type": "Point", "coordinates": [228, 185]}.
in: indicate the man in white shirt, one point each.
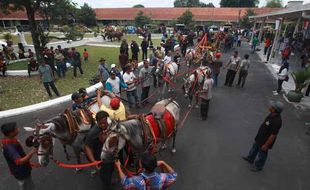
{"type": "Point", "coordinates": [145, 76]}
{"type": "Point", "coordinates": [232, 66]}
{"type": "Point", "coordinates": [114, 84]}
{"type": "Point", "coordinates": [167, 58]}
{"type": "Point", "coordinates": [206, 95]}
{"type": "Point", "coordinates": [130, 79]}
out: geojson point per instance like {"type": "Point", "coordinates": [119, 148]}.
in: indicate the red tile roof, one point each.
{"type": "Point", "coordinates": [200, 14]}
{"type": "Point", "coordinates": [16, 15]}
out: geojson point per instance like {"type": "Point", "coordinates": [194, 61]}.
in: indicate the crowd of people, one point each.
{"type": "Point", "coordinates": [128, 77]}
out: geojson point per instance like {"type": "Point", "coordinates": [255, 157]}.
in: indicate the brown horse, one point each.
{"type": "Point", "coordinates": [113, 35]}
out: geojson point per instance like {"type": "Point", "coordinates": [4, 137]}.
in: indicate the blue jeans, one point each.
{"type": "Point", "coordinates": [262, 156]}
{"type": "Point", "coordinates": [214, 77]}
{"type": "Point", "coordinates": [132, 97]}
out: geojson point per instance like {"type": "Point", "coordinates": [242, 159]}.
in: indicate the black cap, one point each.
{"type": "Point", "coordinates": [76, 95]}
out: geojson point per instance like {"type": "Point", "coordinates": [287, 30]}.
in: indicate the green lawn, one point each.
{"type": "Point", "coordinates": [18, 66]}
{"type": "Point", "coordinates": [23, 91]}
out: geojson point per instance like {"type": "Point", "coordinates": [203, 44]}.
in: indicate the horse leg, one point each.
{"type": "Point", "coordinates": [66, 152]}
{"type": "Point", "coordinates": [77, 153]}
{"type": "Point", "coordinates": [173, 150]}
{"type": "Point", "coordinates": [197, 101]}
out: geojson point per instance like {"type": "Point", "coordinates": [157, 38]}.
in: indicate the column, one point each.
{"type": "Point", "coordinates": [296, 27]}
{"type": "Point", "coordinates": [254, 28]}
{"type": "Point", "coordinates": [261, 30]}
{"type": "Point", "coordinates": [276, 38]}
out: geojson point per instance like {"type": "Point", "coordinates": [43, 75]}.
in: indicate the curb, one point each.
{"type": "Point", "coordinates": [49, 103]}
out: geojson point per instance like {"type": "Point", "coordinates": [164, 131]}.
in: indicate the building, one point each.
{"type": "Point", "coordinates": [163, 15]}
{"type": "Point", "coordinates": [166, 15]}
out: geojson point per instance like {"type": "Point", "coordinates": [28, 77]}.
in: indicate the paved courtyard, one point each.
{"type": "Point", "coordinates": [208, 153]}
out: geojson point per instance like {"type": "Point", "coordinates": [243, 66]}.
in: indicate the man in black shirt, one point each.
{"type": "Point", "coordinates": [76, 61]}
{"type": "Point", "coordinates": [93, 145]}
{"type": "Point", "coordinates": [266, 136]}
{"type": "Point", "coordinates": [134, 50]}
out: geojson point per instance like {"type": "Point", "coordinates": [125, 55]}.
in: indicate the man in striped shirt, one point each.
{"type": "Point", "coordinates": [148, 179]}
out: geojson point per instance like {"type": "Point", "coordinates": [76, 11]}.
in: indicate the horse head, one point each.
{"type": "Point", "coordinates": [41, 139]}
{"type": "Point", "coordinates": [115, 141]}
{"type": "Point", "coordinates": [188, 84]}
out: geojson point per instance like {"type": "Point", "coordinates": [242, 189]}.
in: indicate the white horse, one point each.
{"type": "Point", "coordinates": [148, 132]}
{"type": "Point", "coordinates": [169, 72]}
{"type": "Point", "coordinates": [194, 83]}
{"type": "Point", "coordinates": [69, 127]}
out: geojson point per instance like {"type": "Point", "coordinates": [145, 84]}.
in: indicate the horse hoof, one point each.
{"type": "Point", "coordinates": [77, 170]}
{"type": "Point", "coordinates": [174, 150]}
{"type": "Point", "coordinates": [164, 147]}
{"type": "Point", "coordinates": [196, 106]}
{"type": "Point", "coordinates": [189, 106]}
{"type": "Point", "coordinates": [93, 173]}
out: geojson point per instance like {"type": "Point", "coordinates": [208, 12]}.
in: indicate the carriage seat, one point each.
{"type": "Point", "coordinates": [158, 110]}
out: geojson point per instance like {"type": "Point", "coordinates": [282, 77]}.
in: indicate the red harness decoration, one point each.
{"type": "Point", "coordinates": [169, 121]}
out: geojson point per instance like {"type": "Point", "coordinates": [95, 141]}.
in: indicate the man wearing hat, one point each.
{"type": "Point", "coordinates": [265, 137]}
{"type": "Point", "coordinates": [116, 110]}
{"type": "Point", "coordinates": [205, 95]}
{"type": "Point", "coordinates": [216, 68]}
{"type": "Point", "coordinates": [103, 72]}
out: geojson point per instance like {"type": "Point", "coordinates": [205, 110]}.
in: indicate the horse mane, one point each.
{"type": "Point", "coordinates": [131, 126]}
{"type": "Point", "coordinates": [59, 121]}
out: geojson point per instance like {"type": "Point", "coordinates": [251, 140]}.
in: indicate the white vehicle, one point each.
{"type": "Point", "coordinates": [2, 43]}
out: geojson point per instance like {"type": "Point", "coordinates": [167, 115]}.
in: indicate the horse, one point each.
{"type": "Point", "coordinates": [114, 35]}
{"type": "Point", "coordinates": [168, 73]}
{"type": "Point", "coordinates": [149, 132]}
{"type": "Point", "coordinates": [194, 83]}
{"type": "Point", "coordinates": [69, 127]}
{"type": "Point", "coordinates": [189, 57]}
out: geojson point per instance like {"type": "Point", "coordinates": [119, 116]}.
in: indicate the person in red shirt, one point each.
{"type": "Point", "coordinates": [18, 161]}
{"type": "Point", "coordinates": [267, 45]}
{"type": "Point", "coordinates": [85, 56]}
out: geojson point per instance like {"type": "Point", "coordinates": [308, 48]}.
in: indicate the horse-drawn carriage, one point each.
{"type": "Point", "coordinates": [145, 132]}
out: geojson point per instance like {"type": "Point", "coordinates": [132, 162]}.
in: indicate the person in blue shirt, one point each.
{"type": "Point", "coordinates": [17, 160]}
{"type": "Point", "coordinates": [148, 179]}
{"type": "Point", "coordinates": [78, 101]}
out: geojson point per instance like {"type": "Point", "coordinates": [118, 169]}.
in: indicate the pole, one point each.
{"type": "Point", "coordinates": [276, 39]}
{"type": "Point", "coordinates": [261, 31]}
{"type": "Point", "coordinates": [296, 27]}
{"type": "Point", "coordinates": [254, 28]}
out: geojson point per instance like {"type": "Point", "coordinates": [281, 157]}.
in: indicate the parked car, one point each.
{"type": "Point", "coordinates": [131, 29]}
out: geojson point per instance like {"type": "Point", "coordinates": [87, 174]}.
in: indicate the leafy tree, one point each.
{"type": "Point", "coordinates": [274, 4]}
{"type": "Point", "coordinates": [245, 21]}
{"type": "Point", "coordinates": [142, 19]}
{"type": "Point", "coordinates": [209, 5]}
{"type": "Point", "coordinates": [138, 6]}
{"type": "Point", "coordinates": [191, 3]}
{"type": "Point", "coordinates": [86, 15]}
{"type": "Point", "coordinates": [186, 18]}
{"type": "Point", "coordinates": [35, 8]}
{"type": "Point", "coordinates": [239, 3]}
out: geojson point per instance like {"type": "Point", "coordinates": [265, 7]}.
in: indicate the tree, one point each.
{"type": "Point", "coordinates": [239, 3]}
{"type": "Point", "coordinates": [186, 18]}
{"type": "Point", "coordinates": [274, 4]}
{"type": "Point", "coordinates": [191, 3]}
{"type": "Point", "coordinates": [210, 5]}
{"type": "Point", "coordinates": [36, 8]}
{"type": "Point", "coordinates": [245, 21]}
{"type": "Point", "coordinates": [86, 15]}
{"type": "Point", "coordinates": [141, 19]}
{"type": "Point", "coordinates": [138, 6]}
